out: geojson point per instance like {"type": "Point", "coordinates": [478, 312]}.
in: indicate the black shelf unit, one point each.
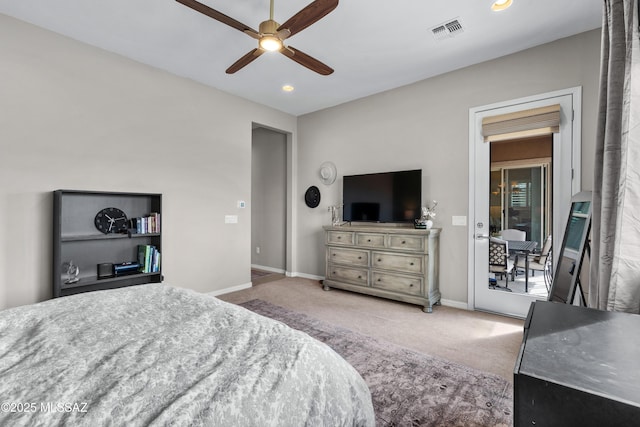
{"type": "Point", "coordinates": [76, 239]}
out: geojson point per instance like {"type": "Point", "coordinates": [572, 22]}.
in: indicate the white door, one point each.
{"type": "Point", "coordinates": [566, 182]}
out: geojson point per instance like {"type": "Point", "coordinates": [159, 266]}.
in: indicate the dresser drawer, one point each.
{"type": "Point", "coordinates": [410, 243]}
{"type": "Point", "coordinates": [370, 240]}
{"type": "Point", "coordinates": [398, 262]}
{"type": "Point", "coordinates": [351, 275]}
{"type": "Point", "coordinates": [340, 237]}
{"type": "Point", "coordinates": [349, 256]}
{"type": "Point", "coordinates": [397, 283]}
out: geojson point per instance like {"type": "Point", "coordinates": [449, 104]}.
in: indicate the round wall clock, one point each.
{"type": "Point", "coordinates": [111, 220]}
{"type": "Point", "coordinates": [312, 197]}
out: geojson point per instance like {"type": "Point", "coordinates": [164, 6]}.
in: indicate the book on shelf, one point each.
{"type": "Point", "coordinates": [146, 224]}
{"type": "Point", "coordinates": [148, 258]}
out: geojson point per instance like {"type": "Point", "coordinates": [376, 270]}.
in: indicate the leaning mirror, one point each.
{"type": "Point", "coordinates": [566, 279]}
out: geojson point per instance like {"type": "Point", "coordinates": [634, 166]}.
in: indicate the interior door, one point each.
{"type": "Point", "coordinates": [565, 183]}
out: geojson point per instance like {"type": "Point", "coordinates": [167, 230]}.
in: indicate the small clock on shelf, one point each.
{"type": "Point", "coordinates": [111, 220]}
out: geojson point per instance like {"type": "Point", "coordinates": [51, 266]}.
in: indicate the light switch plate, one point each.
{"type": "Point", "coordinates": [459, 220]}
{"type": "Point", "coordinates": [241, 204]}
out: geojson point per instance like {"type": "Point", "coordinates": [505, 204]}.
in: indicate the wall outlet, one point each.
{"type": "Point", "coordinates": [257, 249]}
{"type": "Point", "coordinates": [241, 204]}
{"type": "Point", "coordinates": [231, 219]}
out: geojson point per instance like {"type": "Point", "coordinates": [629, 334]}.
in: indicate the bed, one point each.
{"type": "Point", "coordinates": [158, 355]}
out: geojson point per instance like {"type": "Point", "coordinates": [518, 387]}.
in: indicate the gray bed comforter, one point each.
{"type": "Point", "coordinates": [157, 355]}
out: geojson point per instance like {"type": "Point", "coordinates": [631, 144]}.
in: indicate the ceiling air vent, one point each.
{"type": "Point", "coordinates": [448, 29]}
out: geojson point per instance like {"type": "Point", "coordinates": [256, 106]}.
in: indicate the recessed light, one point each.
{"type": "Point", "coordinates": [499, 5]}
{"type": "Point", "coordinates": [288, 88]}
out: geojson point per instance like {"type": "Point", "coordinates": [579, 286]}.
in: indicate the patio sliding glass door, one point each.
{"type": "Point", "coordinates": [521, 199]}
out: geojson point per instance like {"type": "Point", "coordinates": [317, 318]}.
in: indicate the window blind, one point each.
{"type": "Point", "coordinates": [522, 124]}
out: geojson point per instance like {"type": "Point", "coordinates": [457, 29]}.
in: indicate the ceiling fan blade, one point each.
{"type": "Point", "coordinates": [306, 60]}
{"type": "Point", "coordinates": [244, 61]}
{"type": "Point", "coordinates": [309, 15]}
{"type": "Point", "coordinates": [218, 16]}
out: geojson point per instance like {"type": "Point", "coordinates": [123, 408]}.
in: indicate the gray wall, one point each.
{"type": "Point", "coordinates": [268, 199]}
{"type": "Point", "coordinates": [77, 117]}
{"type": "Point", "coordinates": [425, 125]}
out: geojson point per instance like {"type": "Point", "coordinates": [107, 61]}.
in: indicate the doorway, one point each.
{"type": "Point", "coordinates": [520, 198]}
{"type": "Point", "coordinates": [268, 204]}
{"type": "Point", "coordinates": [520, 192]}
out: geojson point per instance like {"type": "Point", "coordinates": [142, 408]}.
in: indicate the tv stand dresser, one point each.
{"type": "Point", "coordinates": [398, 263]}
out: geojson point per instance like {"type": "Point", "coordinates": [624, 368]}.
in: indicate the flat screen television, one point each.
{"type": "Point", "coordinates": [382, 197]}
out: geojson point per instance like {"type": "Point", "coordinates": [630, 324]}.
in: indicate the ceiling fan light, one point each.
{"type": "Point", "coordinates": [499, 5]}
{"type": "Point", "coordinates": [270, 43]}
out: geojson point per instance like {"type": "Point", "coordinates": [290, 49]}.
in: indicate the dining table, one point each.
{"type": "Point", "coordinates": [523, 247]}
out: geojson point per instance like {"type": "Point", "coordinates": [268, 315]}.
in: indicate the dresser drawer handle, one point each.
{"type": "Point", "coordinates": [333, 272]}
{"type": "Point", "coordinates": [368, 240]}
{"type": "Point", "coordinates": [359, 257]}
{"type": "Point", "coordinates": [359, 277]}
{"type": "Point", "coordinates": [410, 263]}
{"type": "Point", "coordinates": [334, 254]}
{"type": "Point", "coordinates": [339, 237]}
{"type": "Point", "coordinates": [411, 285]}
{"type": "Point", "coordinates": [379, 259]}
{"type": "Point", "coordinates": [379, 280]}
{"type": "Point", "coordinates": [403, 242]}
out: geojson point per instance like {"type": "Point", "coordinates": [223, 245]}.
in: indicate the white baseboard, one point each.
{"type": "Point", "coordinates": [265, 268]}
{"type": "Point", "coordinates": [455, 304]}
{"type": "Point", "coordinates": [231, 289]}
{"type": "Point", "coordinates": [305, 276]}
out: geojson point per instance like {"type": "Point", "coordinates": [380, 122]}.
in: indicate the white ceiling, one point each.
{"type": "Point", "coordinates": [373, 45]}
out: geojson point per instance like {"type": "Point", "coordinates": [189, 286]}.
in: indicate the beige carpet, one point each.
{"type": "Point", "coordinates": [479, 340]}
{"type": "Point", "coordinates": [261, 276]}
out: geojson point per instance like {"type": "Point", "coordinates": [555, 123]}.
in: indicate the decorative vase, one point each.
{"type": "Point", "coordinates": [429, 223]}
{"type": "Point", "coordinates": [72, 272]}
{"type": "Point", "coordinates": [335, 215]}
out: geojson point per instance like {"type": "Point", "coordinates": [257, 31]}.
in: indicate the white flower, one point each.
{"type": "Point", "coordinates": [430, 212]}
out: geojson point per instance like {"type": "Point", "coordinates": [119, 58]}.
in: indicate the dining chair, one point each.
{"type": "Point", "coordinates": [537, 262]}
{"type": "Point", "coordinates": [514, 234]}
{"type": "Point", "coordinates": [499, 261]}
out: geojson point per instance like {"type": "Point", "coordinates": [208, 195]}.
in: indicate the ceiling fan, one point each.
{"type": "Point", "coordinates": [271, 35]}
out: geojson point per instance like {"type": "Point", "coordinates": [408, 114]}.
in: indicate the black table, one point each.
{"type": "Point", "coordinates": [577, 367]}
{"type": "Point", "coordinates": [524, 247]}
